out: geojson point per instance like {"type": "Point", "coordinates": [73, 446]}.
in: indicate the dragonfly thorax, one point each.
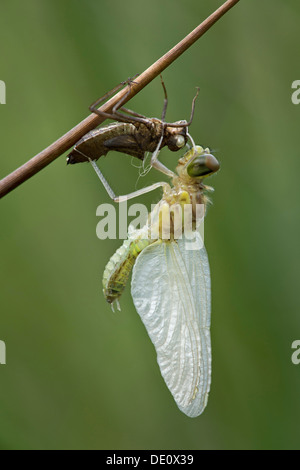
{"type": "Point", "coordinates": [176, 137]}
{"type": "Point", "coordinates": [180, 209]}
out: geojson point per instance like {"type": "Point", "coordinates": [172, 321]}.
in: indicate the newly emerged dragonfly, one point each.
{"type": "Point", "coordinates": [133, 133]}
{"type": "Point", "coordinates": [171, 280]}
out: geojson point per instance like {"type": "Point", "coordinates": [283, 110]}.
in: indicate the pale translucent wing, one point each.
{"type": "Point", "coordinates": [171, 292]}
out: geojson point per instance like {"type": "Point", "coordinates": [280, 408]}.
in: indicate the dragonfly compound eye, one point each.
{"type": "Point", "coordinates": [176, 142]}
{"type": "Point", "coordinates": [203, 165]}
{"type": "Point", "coordinates": [180, 141]}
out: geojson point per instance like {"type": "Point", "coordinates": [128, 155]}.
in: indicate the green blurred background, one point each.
{"type": "Point", "coordinates": [77, 375]}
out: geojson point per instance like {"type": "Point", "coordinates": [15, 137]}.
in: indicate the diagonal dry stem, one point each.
{"type": "Point", "coordinates": [48, 155]}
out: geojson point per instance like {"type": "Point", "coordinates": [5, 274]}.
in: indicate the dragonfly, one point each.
{"type": "Point", "coordinates": [132, 133]}
{"type": "Point", "coordinates": [170, 284]}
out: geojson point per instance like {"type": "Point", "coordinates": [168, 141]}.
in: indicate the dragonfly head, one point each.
{"type": "Point", "coordinates": [203, 164]}
{"type": "Point", "coordinates": [176, 137]}
{"type": "Point", "coordinates": [197, 163]}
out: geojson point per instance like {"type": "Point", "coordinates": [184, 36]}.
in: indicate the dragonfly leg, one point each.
{"type": "Point", "coordinates": [164, 111]}
{"type": "Point", "coordinates": [115, 114]}
{"type": "Point", "coordinates": [186, 123]}
{"type": "Point", "coordinates": [193, 107]}
{"type": "Point", "coordinates": [102, 179]}
{"type": "Point", "coordinates": [94, 106]}
{"type": "Point", "coordinates": [192, 140]}
{"type": "Point", "coordinates": [133, 113]}
{"type": "Point", "coordinates": [140, 192]}
{"type": "Point", "coordinates": [127, 196]}
{"type": "Point", "coordinates": [141, 117]}
{"type": "Point", "coordinates": [155, 163]}
{"type": "Point", "coordinates": [136, 117]}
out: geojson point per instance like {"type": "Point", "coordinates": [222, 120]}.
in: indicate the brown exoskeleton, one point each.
{"type": "Point", "coordinates": [133, 134]}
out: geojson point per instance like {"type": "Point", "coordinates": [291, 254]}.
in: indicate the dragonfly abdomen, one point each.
{"type": "Point", "coordinates": [118, 268]}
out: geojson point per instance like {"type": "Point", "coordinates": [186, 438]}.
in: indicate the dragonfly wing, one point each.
{"type": "Point", "coordinates": [171, 292]}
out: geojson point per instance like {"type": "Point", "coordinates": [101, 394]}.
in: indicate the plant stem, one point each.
{"type": "Point", "coordinates": [68, 140]}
